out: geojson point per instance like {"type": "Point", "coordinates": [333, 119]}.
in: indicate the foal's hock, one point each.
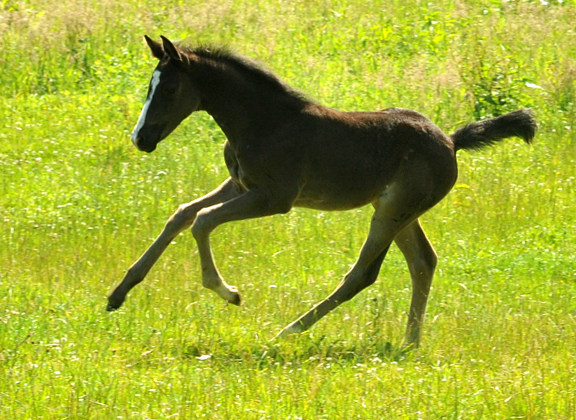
{"type": "Point", "coordinates": [284, 150]}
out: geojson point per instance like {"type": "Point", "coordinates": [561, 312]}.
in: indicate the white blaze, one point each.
{"type": "Point", "coordinates": [142, 118]}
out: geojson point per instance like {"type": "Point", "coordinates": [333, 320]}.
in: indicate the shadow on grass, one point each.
{"type": "Point", "coordinates": [298, 351]}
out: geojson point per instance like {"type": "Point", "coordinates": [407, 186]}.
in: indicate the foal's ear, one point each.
{"type": "Point", "coordinates": [173, 51]}
{"type": "Point", "coordinates": [155, 47]}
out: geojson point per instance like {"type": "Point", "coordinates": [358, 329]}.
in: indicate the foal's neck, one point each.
{"type": "Point", "coordinates": [244, 109]}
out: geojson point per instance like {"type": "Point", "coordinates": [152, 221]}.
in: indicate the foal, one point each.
{"type": "Point", "coordinates": [283, 150]}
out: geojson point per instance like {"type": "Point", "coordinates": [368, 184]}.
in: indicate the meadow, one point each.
{"type": "Point", "coordinates": [79, 204]}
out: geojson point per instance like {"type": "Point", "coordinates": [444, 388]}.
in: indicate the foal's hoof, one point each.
{"type": "Point", "coordinates": [236, 299]}
{"type": "Point", "coordinates": [114, 304]}
{"type": "Point", "coordinates": [230, 294]}
{"type": "Point", "coordinates": [408, 347]}
{"type": "Point", "coordinates": [112, 307]}
{"type": "Point", "coordinates": [295, 328]}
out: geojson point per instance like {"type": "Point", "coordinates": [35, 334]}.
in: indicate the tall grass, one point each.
{"type": "Point", "coordinates": [79, 205]}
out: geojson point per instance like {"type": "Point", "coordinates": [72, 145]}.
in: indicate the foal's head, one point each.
{"type": "Point", "coordinates": [172, 96]}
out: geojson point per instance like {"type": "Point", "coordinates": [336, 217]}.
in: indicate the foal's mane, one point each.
{"type": "Point", "coordinates": [252, 70]}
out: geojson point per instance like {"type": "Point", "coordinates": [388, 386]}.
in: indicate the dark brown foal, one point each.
{"type": "Point", "coordinates": [283, 150]}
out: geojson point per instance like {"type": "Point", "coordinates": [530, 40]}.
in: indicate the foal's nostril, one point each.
{"type": "Point", "coordinates": [136, 140]}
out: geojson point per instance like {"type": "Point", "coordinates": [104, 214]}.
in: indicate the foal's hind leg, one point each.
{"type": "Point", "coordinates": [180, 221]}
{"type": "Point", "coordinates": [393, 213]}
{"type": "Point", "coordinates": [421, 259]}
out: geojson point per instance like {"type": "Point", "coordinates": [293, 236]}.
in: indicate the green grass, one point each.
{"type": "Point", "coordinates": [79, 204]}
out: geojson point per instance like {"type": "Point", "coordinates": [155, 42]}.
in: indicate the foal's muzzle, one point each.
{"type": "Point", "coordinates": [144, 146]}
{"type": "Point", "coordinates": [147, 138]}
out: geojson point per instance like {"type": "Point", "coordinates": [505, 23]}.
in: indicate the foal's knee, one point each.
{"type": "Point", "coordinates": [200, 226]}
{"type": "Point", "coordinates": [183, 217]}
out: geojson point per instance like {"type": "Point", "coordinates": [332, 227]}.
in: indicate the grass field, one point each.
{"type": "Point", "coordinates": [79, 204]}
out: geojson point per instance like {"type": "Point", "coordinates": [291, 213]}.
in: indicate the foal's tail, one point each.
{"type": "Point", "coordinates": [483, 133]}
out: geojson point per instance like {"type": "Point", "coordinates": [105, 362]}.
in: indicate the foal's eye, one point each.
{"type": "Point", "coordinates": [170, 89]}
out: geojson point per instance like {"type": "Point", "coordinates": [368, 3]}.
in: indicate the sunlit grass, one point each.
{"type": "Point", "coordinates": [79, 204]}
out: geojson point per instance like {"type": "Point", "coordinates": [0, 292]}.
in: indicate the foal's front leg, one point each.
{"type": "Point", "coordinates": [249, 205]}
{"type": "Point", "coordinates": [180, 221]}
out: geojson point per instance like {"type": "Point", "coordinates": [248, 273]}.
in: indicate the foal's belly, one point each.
{"type": "Point", "coordinates": [345, 181]}
{"type": "Point", "coordinates": [337, 198]}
